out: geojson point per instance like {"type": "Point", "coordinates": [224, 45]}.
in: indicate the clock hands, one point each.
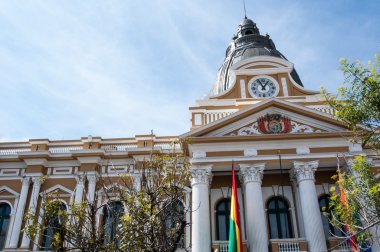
{"type": "Point", "coordinates": [263, 86]}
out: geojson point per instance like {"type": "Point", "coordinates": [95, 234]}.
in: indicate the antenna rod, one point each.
{"type": "Point", "coordinates": [245, 11]}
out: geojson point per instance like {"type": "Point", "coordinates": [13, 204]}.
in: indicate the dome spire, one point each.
{"type": "Point", "coordinates": [245, 11]}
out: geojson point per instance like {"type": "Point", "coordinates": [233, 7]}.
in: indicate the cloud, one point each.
{"type": "Point", "coordinates": [120, 68]}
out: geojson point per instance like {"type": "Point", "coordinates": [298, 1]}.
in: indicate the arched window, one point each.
{"type": "Point", "coordinates": [111, 221]}
{"type": "Point", "coordinates": [279, 218]}
{"type": "Point", "coordinates": [52, 224]}
{"type": "Point", "coordinates": [174, 218]}
{"type": "Point", "coordinates": [5, 211]}
{"type": "Point", "coordinates": [223, 209]}
{"type": "Point", "coordinates": [328, 228]}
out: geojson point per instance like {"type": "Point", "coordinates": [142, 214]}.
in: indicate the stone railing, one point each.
{"type": "Point", "coordinates": [85, 144]}
{"type": "Point", "coordinates": [65, 149]}
{"type": "Point", "coordinates": [323, 108]}
{"type": "Point", "coordinates": [288, 245]}
{"type": "Point", "coordinates": [222, 246]}
{"type": "Point", "coordinates": [119, 147]}
{"type": "Point", "coordinates": [338, 245]}
{"type": "Point", "coordinates": [210, 117]}
{"type": "Point", "coordinates": [12, 151]}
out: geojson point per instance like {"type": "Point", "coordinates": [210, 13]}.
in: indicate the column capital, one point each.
{"type": "Point", "coordinates": [92, 179]}
{"type": "Point", "coordinates": [25, 181]}
{"type": "Point", "coordinates": [251, 172]}
{"type": "Point", "coordinates": [37, 181]}
{"type": "Point", "coordinates": [201, 174]}
{"type": "Point", "coordinates": [81, 179]}
{"type": "Point", "coordinates": [304, 170]}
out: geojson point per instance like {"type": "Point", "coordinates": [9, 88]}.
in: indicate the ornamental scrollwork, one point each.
{"type": "Point", "coordinates": [304, 170]}
{"type": "Point", "coordinates": [251, 173]}
{"type": "Point", "coordinates": [274, 124]}
{"type": "Point", "coordinates": [201, 175]}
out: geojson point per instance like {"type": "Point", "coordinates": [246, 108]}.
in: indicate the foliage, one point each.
{"type": "Point", "coordinates": [362, 210]}
{"type": "Point", "coordinates": [153, 220]}
{"type": "Point", "coordinates": [358, 105]}
{"type": "Point", "coordinates": [358, 101]}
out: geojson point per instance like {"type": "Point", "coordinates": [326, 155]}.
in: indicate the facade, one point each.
{"type": "Point", "coordinates": [281, 138]}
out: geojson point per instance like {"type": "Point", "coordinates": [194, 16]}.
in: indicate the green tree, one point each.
{"type": "Point", "coordinates": [358, 105]}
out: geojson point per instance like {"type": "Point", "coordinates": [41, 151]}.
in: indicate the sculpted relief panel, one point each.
{"type": "Point", "coordinates": [274, 124]}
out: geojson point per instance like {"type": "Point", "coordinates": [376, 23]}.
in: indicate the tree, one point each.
{"type": "Point", "coordinates": [358, 105]}
{"type": "Point", "coordinates": [145, 212]}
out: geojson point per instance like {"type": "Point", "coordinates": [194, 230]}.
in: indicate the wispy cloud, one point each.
{"type": "Point", "coordinates": [120, 68]}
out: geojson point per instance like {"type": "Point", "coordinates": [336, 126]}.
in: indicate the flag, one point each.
{"type": "Point", "coordinates": [235, 243]}
{"type": "Point", "coordinates": [343, 199]}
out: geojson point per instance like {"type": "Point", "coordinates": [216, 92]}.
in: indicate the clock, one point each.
{"type": "Point", "coordinates": [263, 87]}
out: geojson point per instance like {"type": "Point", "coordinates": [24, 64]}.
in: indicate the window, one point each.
{"type": "Point", "coordinates": [52, 225]}
{"type": "Point", "coordinates": [279, 218]}
{"type": "Point", "coordinates": [223, 209]}
{"type": "Point", "coordinates": [111, 221]}
{"type": "Point", "coordinates": [174, 218]}
{"type": "Point", "coordinates": [328, 228]}
{"type": "Point", "coordinates": [5, 211]}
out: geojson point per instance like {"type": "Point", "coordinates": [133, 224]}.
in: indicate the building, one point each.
{"type": "Point", "coordinates": [280, 136]}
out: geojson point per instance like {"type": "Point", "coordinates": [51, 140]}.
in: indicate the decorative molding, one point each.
{"type": "Point", "coordinates": [304, 170]}
{"type": "Point", "coordinates": [253, 129]}
{"type": "Point", "coordinates": [251, 172]}
{"type": "Point", "coordinates": [302, 128]}
{"type": "Point", "coordinates": [199, 154]}
{"type": "Point", "coordinates": [355, 147]}
{"type": "Point", "coordinates": [9, 190]}
{"type": "Point", "coordinates": [37, 181]}
{"type": "Point", "coordinates": [250, 152]}
{"type": "Point", "coordinates": [57, 187]}
{"type": "Point", "coordinates": [302, 150]}
{"type": "Point", "coordinates": [201, 174]}
{"type": "Point", "coordinates": [92, 179]}
{"type": "Point", "coordinates": [81, 179]}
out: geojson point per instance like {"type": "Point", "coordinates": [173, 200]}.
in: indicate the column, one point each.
{"type": "Point", "coordinates": [37, 181]}
{"type": "Point", "coordinates": [251, 176]}
{"type": "Point", "coordinates": [92, 179]}
{"type": "Point", "coordinates": [304, 175]}
{"type": "Point", "coordinates": [15, 235]}
{"type": "Point", "coordinates": [79, 188]}
{"type": "Point", "coordinates": [200, 208]}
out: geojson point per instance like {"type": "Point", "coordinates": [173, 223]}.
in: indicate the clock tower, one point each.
{"type": "Point", "coordinates": [253, 71]}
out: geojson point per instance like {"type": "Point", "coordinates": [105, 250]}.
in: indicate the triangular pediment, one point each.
{"type": "Point", "coordinates": [264, 117]}
{"type": "Point", "coordinates": [6, 192]}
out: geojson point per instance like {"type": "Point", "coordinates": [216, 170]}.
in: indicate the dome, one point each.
{"type": "Point", "coordinates": [247, 43]}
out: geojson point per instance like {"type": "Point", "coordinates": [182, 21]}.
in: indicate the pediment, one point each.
{"type": "Point", "coordinates": [288, 118]}
{"type": "Point", "coordinates": [6, 192]}
{"type": "Point", "coordinates": [58, 191]}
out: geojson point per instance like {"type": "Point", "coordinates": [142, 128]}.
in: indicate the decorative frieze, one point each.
{"type": "Point", "coordinates": [201, 174]}
{"type": "Point", "coordinates": [304, 170]}
{"type": "Point", "coordinates": [274, 124]}
{"type": "Point", "coordinates": [251, 172]}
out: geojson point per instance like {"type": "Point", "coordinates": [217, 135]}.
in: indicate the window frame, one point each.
{"type": "Point", "coordinates": [277, 211]}
{"type": "Point", "coordinates": [226, 214]}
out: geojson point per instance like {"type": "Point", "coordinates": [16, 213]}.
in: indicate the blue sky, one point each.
{"type": "Point", "coordinates": [120, 68]}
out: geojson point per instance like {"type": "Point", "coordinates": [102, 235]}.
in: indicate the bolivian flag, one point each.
{"type": "Point", "coordinates": [343, 199]}
{"type": "Point", "coordinates": [235, 243]}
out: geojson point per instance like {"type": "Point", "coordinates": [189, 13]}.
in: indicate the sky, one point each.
{"type": "Point", "coordinates": [120, 68]}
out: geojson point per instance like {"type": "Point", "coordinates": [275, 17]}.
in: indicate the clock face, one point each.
{"type": "Point", "coordinates": [263, 87]}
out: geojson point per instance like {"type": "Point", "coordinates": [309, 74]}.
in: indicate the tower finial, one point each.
{"type": "Point", "coordinates": [245, 11]}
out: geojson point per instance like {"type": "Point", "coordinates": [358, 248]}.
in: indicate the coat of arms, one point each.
{"type": "Point", "coordinates": [274, 124]}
